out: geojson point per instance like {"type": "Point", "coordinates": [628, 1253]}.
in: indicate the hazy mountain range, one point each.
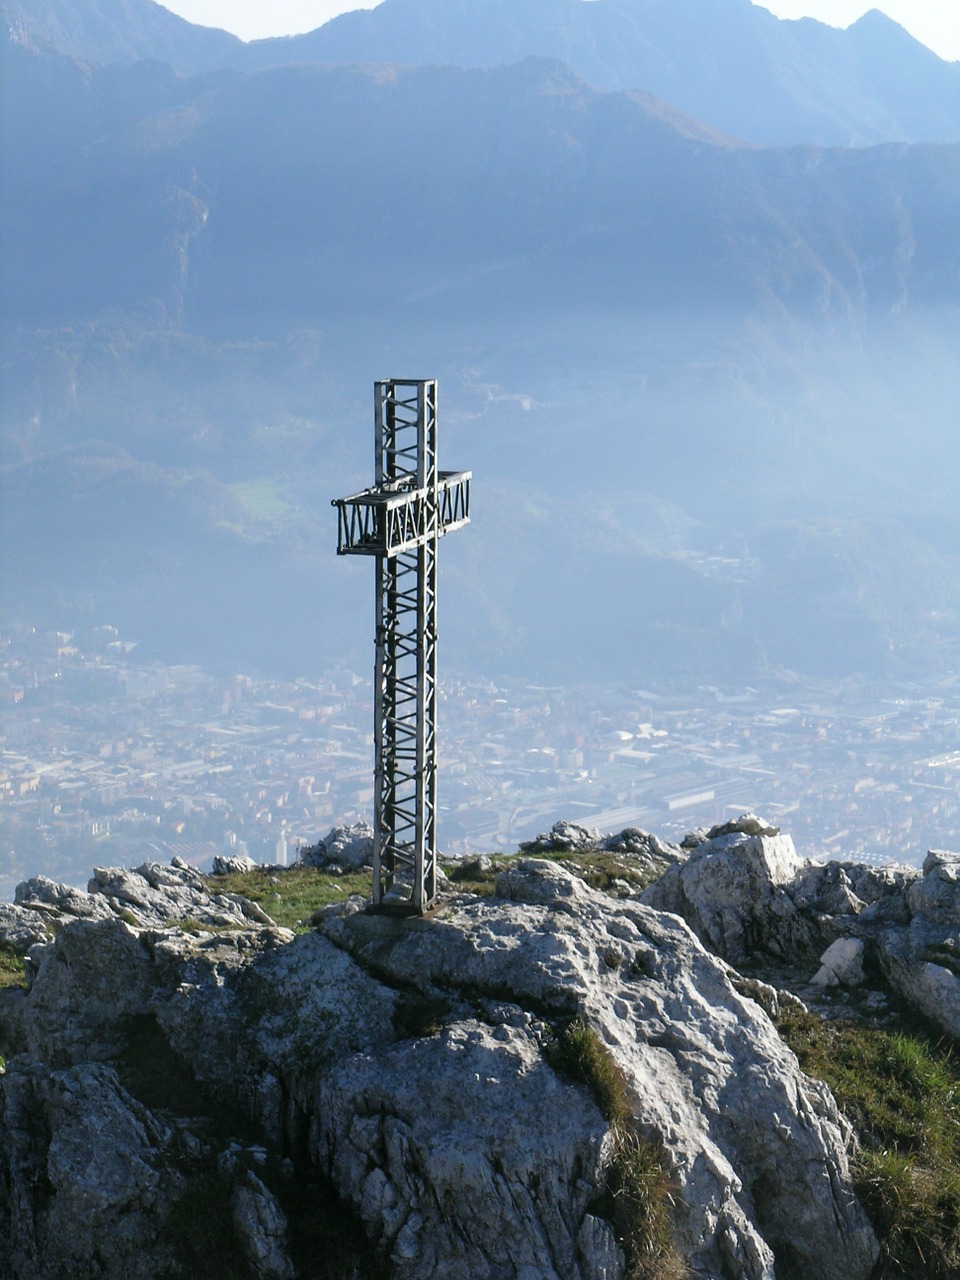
{"type": "Point", "coordinates": [723, 374]}
{"type": "Point", "coordinates": [728, 63]}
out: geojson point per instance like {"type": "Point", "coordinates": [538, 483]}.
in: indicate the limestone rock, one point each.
{"type": "Point", "coordinates": [697, 836]}
{"type": "Point", "coordinates": [922, 960]}
{"type": "Point", "coordinates": [348, 846]}
{"type": "Point", "coordinates": [841, 965]}
{"type": "Point", "coordinates": [748, 824]}
{"type": "Point", "coordinates": [466, 1157]}
{"type": "Point", "coordinates": [936, 894]}
{"type": "Point", "coordinates": [232, 866]}
{"type": "Point", "coordinates": [563, 837]}
{"type": "Point", "coordinates": [262, 1228]}
{"type": "Point", "coordinates": [644, 844]}
{"type": "Point", "coordinates": [758, 1150]}
{"type": "Point", "coordinates": [21, 928]}
{"type": "Point", "coordinates": [852, 889]}
{"type": "Point", "coordinates": [158, 895]}
{"type": "Point", "coordinates": [285, 1013]}
{"type": "Point", "coordinates": [750, 899]}
{"type": "Point", "coordinates": [572, 837]}
{"type": "Point", "coordinates": [150, 895]}
{"type": "Point", "coordinates": [404, 1058]}
{"type": "Point", "coordinates": [85, 1177]}
{"type": "Point", "coordinates": [730, 890]}
{"type": "Point", "coordinates": [538, 880]}
{"type": "Point", "coordinates": [53, 901]}
{"type": "Point", "coordinates": [94, 974]}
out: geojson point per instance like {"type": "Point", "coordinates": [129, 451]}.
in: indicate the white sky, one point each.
{"type": "Point", "coordinates": [934, 22]}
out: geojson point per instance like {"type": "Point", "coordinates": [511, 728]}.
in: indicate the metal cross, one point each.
{"type": "Point", "coordinates": [399, 521]}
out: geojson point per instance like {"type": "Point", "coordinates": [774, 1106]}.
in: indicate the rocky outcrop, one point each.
{"type": "Point", "coordinates": [572, 837]}
{"type": "Point", "coordinates": [89, 1177]}
{"type": "Point", "coordinates": [348, 846]}
{"type": "Point", "coordinates": [409, 1062]}
{"type": "Point", "coordinates": [921, 959]}
{"type": "Point", "coordinates": [752, 900]}
{"type": "Point", "coordinates": [152, 894]}
{"type": "Point", "coordinates": [731, 891]}
{"type": "Point", "coordinates": [707, 1071]}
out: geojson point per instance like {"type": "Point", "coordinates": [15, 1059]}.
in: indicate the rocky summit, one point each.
{"type": "Point", "coordinates": [507, 1089]}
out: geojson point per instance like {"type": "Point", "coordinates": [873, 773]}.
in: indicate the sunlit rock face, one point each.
{"type": "Point", "coordinates": [753, 901]}
{"type": "Point", "coordinates": [408, 1062]}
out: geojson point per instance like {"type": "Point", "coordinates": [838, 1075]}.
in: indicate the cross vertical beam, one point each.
{"type": "Point", "coordinates": [400, 521]}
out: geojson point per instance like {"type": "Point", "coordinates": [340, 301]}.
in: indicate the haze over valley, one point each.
{"type": "Point", "coordinates": [696, 332]}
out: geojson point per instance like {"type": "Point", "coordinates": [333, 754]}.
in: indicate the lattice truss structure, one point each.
{"type": "Point", "coordinates": [400, 521]}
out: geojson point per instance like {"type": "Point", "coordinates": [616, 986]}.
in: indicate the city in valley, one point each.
{"type": "Point", "coordinates": [109, 760]}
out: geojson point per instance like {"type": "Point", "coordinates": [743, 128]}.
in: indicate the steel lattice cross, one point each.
{"type": "Point", "coordinates": [399, 521]}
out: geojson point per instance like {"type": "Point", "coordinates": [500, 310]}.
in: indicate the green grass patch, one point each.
{"type": "Point", "coordinates": [289, 897]}
{"type": "Point", "coordinates": [11, 969]}
{"type": "Point", "coordinates": [469, 877]}
{"type": "Point", "coordinates": [901, 1092]}
{"type": "Point", "coordinates": [639, 1196]}
{"type": "Point", "coordinates": [600, 869]}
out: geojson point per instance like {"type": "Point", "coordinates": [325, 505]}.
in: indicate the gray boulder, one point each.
{"type": "Point", "coordinates": [493, 1177]}
{"type": "Point", "coordinates": [224, 865]}
{"type": "Point", "coordinates": [644, 844]}
{"type": "Point", "coordinates": [151, 895]}
{"type": "Point", "coordinates": [263, 1229]}
{"type": "Point", "coordinates": [758, 1151]}
{"type": "Point", "coordinates": [21, 928]}
{"type": "Point", "coordinates": [841, 965]}
{"type": "Point", "coordinates": [159, 895]}
{"type": "Point", "coordinates": [921, 960]}
{"type": "Point", "coordinates": [563, 837]}
{"type": "Point", "coordinates": [53, 902]}
{"type": "Point", "coordinates": [86, 1175]}
{"type": "Point", "coordinates": [751, 900]}
{"type": "Point", "coordinates": [731, 891]}
{"type": "Point", "coordinates": [347, 846]}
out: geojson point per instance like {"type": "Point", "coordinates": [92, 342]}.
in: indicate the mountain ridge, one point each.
{"type": "Point", "coordinates": [116, 31]}
{"type": "Point", "coordinates": [539, 170]}
{"type": "Point", "coordinates": [797, 81]}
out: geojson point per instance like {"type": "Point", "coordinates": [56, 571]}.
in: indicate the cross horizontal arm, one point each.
{"type": "Point", "coordinates": [388, 520]}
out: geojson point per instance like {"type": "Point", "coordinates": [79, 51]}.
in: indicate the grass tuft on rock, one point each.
{"type": "Point", "coordinates": [598, 868]}
{"type": "Point", "coordinates": [901, 1092]}
{"type": "Point", "coordinates": [640, 1194]}
{"type": "Point", "coordinates": [11, 969]}
{"type": "Point", "coordinates": [607, 871]}
{"type": "Point", "coordinates": [471, 875]}
{"type": "Point", "coordinates": [289, 897]}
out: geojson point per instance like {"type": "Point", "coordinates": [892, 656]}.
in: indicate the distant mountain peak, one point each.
{"type": "Point", "coordinates": [730, 64]}
{"type": "Point", "coordinates": [878, 25]}
{"type": "Point", "coordinates": [107, 31]}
